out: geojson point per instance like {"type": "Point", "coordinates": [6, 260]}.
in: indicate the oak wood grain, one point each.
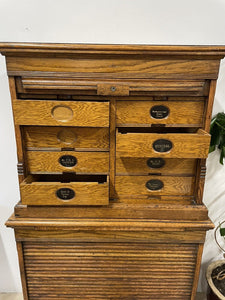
{"type": "Point", "coordinates": [184, 145]}
{"type": "Point", "coordinates": [61, 113]}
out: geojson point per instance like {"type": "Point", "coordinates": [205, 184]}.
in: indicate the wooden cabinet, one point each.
{"type": "Point", "coordinates": [111, 142]}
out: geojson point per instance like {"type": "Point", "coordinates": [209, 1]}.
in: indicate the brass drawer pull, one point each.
{"type": "Point", "coordinates": [65, 194]}
{"type": "Point", "coordinates": [155, 162]}
{"type": "Point", "coordinates": [162, 145]}
{"type": "Point", "coordinates": [68, 161]}
{"type": "Point", "coordinates": [159, 112]}
{"type": "Point", "coordinates": [154, 185]}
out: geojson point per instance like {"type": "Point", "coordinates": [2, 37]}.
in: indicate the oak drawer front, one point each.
{"type": "Point", "coordinates": [68, 161]}
{"type": "Point", "coordinates": [169, 145]}
{"type": "Point", "coordinates": [59, 193]}
{"type": "Point", "coordinates": [63, 113]}
{"type": "Point", "coordinates": [144, 166]}
{"type": "Point", "coordinates": [144, 186]}
{"type": "Point", "coordinates": [96, 139]}
{"type": "Point", "coordinates": [173, 113]}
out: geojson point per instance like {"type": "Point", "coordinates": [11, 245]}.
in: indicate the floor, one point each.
{"type": "Point", "coordinates": [15, 296]}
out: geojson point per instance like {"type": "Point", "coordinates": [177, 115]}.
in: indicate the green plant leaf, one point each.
{"type": "Point", "coordinates": [222, 231]}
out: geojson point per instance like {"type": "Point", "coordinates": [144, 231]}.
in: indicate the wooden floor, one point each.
{"type": "Point", "coordinates": [16, 296]}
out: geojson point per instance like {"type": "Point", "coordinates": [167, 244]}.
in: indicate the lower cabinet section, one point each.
{"type": "Point", "coordinates": [105, 259]}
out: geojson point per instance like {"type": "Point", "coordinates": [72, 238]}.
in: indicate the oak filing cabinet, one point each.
{"type": "Point", "coordinates": [112, 142]}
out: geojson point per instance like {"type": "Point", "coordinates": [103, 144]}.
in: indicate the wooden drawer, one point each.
{"type": "Point", "coordinates": [147, 186]}
{"type": "Point", "coordinates": [95, 139]}
{"type": "Point", "coordinates": [68, 161]}
{"type": "Point", "coordinates": [62, 113]}
{"type": "Point", "coordinates": [170, 113]}
{"type": "Point", "coordinates": [75, 190]}
{"type": "Point", "coordinates": [144, 166]}
{"type": "Point", "coordinates": [168, 145]}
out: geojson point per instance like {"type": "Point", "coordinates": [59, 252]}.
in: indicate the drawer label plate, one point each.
{"type": "Point", "coordinates": [155, 163]}
{"type": "Point", "coordinates": [159, 111]}
{"type": "Point", "coordinates": [68, 161]}
{"type": "Point", "coordinates": [154, 185]}
{"type": "Point", "coordinates": [162, 145]}
{"type": "Point", "coordinates": [65, 194]}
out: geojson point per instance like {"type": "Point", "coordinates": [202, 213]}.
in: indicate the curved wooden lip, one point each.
{"type": "Point", "coordinates": [10, 48]}
{"type": "Point", "coordinates": [209, 270]}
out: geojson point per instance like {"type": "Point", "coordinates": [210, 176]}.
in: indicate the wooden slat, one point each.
{"type": "Point", "coordinates": [61, 113]}
{"type": "Point", "coordinates": [40, 162]}
{"type": "Point", "coordinates": [187, 113]}
{"type": "Point", "coordinates": [143, 271]}
{"type": "Point", "coordinates": [95, 139]}
{"type": "Point", "coordinates": [184, 145]}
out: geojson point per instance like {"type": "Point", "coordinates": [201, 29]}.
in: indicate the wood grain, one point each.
{"type": "Point", "coordinates": [87, 162]}
{"type": "Point", "coordinates": [184, 145]}
{"type": "Point", "coordinates": [187, 113]}
{"type": "Point", "coordinates": [138, 166]}
{"type": "Point", "coordinates": [20, 253]}
{"type": "Point", "coordinates": [134, 186]}
{"type": "Point", "coordinates": [117, 210]}
{"type": "Point", "coordinates": [80, 139]}
{"type": "Point", "coordinates": [44, 193]}
{"type": "Point", "coordinates": [40, 112]}
{"type": "Point", "coordinates": [114, 67]}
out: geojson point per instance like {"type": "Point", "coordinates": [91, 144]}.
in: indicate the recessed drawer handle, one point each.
{"type": "Point", "coordinates": [155, 162]}
{"type": "Point", "coordinates": [62, 113]}
{"type": "Point", "coordinates": [159, 111]}
{"type": "Point", "coordinates": [162, 145]}
{"type": "Point", "coordinates": [154, 184]}
{"type": "Point", "coordinates": [65, 194]}
{"type": "Point", "coordinates": [68, 161]}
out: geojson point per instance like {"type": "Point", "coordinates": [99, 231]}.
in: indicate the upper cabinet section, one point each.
{"type": "Point", "coordinates": [112, 61]}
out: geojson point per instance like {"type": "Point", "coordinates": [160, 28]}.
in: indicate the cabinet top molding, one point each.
{"type": "Point", "coordinates": [59, 49]}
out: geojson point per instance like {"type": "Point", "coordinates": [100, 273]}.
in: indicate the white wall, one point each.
{"type": "Point", "coordinates": [190, 22]}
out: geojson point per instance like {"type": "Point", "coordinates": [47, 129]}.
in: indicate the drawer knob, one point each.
{"type": "Point", "coordinates": [113, 88]}
{"type": "Point", "coordinates": [65, 194]}
{"type": "Point", "coordinates": [159, 111]}
{"type": "Point", "coordinates": [62, 113]}
{"type": "Point", "coordinates": [154, 185]}
{"type": "Point", "coordinates": [155, 162]}
{"type": "Point", "coordinates": [68, 161]}
{"type": "Point", "coordinates": [162, 145]}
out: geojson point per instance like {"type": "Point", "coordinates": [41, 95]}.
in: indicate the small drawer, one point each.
{"type": "Point", "coordinates": [147, 186]}
{"type": "Point", "coordinates": [168, 113]}
{"type": "Point", "coordinates": [164, 166]}
{"type": "Point", "coordinates": [74, 190]}
{"type": "Point", "coordinates": [80, 139]}
{"type": "Point", "coordinates": [63, 113]}
{"type": "Point", "coordinates": [40, 162]}
{"type": "Point", "coordinates": [168, 145]}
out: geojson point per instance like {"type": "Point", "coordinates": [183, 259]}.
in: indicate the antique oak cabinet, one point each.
{"type": "Point", "coordinates": [112, 142]}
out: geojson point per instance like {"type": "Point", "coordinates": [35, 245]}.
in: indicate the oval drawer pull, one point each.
{"type": "Point", "coordinates": [68, 161]}
{"type": "Point", "coordinates": [162, 145]}
{"type": "Point", "coordinates": [159, 112]}
{"type": "Point", "coordinates": [62, 113]}
{"type": "Point", "coordinates": [154, 185]}
{"type": "Point", "coordinates": [155, 162]}
{"type": "Point", "coordinates": [65, 194]}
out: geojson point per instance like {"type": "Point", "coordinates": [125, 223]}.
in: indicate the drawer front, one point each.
{"type": "Point", "coordinates": [57, 193]}
{"type": "Point", "coordinates": [186, 113]}
{"type": "Point", "coordinates": [63, 113]}
{"type": "Point", "coordinates": [96, 139]}
{"type": "Point", "coordinates": [170, 145]}
{"type": "Point", "coordinates": [144, 186]}
{"type": "Point", "coordinates": [68, 161]}
{"type": "Point", "coordinates": [144, 166]}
